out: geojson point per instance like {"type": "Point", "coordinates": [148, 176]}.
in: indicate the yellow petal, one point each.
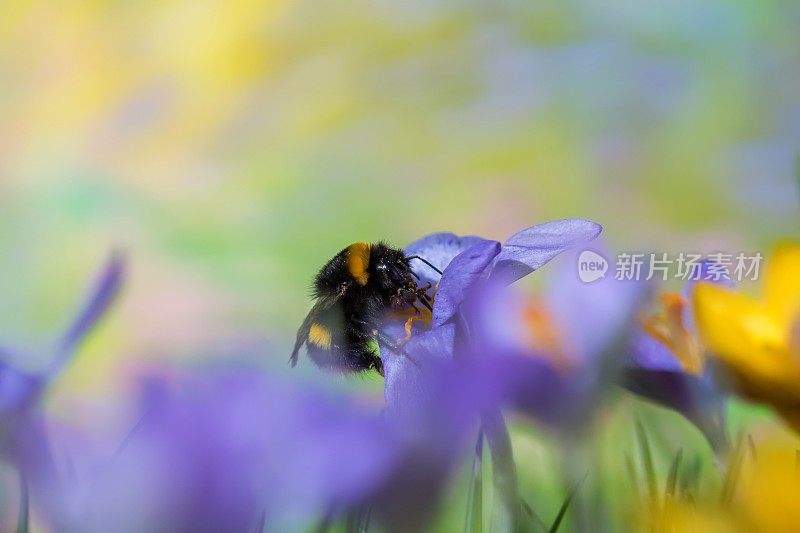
{"type": "Point", "coordinates": [770, 496]}
{"type": "Point", "coordinates": [746, 339]}
{"type": "Point", "coordinates": [782, 285]}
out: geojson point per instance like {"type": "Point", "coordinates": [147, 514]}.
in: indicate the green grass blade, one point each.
{"type": "Point", "coordinates": [690, 480]}
{"type": "Point", "coordinates": [474, 520]}
{"type": "Point", "coordinates": [752, 447]}
{"type": "Point", "coordinates": [672, 480]}
{"type": "Point", "coordinates": [365, 520]}
{"type": "Point", "coordinates": [630, 466]}
{"type": "Point", "coordinates": [262, 522]}
{"type": "Point", "coordinates": [564, 506]}
{"type": "Point", "coordinates": [504, 472]}
{"type": "Point", "coordinates": [24, 506]}
{"type": "Point", "coordinates": [532, 516]}
{"type": "Point", "coordinates": [732, 472]}
{"type": "Point", "coordinates": [326, 521]}
{"type": "Point", "coordinates": [647, 461]}
{"type": "Point", "coordinates": [352, 521]}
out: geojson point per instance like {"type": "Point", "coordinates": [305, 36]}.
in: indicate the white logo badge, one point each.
{"type": "Point", "coordinates": [591, 266]}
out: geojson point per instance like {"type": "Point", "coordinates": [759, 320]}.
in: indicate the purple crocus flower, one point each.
{"type": "Point", "coordinates": [666, 365]}
{"type": "Point", "coordinates": [563, 343]}
{"type": "Point", "coordinates": [430, 396]}
{"type": "Point", "coordinates": [493, 347]}
{"type": "Point", "coordinates": [521, 254]}
{"type": "Point", "coordinates": [230, 449]}
{"type": "Point", "coordinates": [467, 260]}
{"type": "Point", "coordinates": [23, 436]}
{"type": "Point", "coordinates": [566, 343]}
{"type": "Point", "coordinates": [235, 449]}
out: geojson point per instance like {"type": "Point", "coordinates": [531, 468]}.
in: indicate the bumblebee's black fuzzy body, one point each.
{"type": "Point", "coordinates": [352, 293]}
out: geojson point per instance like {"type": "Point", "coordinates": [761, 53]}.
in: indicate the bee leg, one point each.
{"type": "Point", "coordinates": [384, 339]}
{"type": "Point", "coordinates": [378, 366]}
{"type": "Point", "coordinates": [426, 303]}
{"type": "Point", "coordinates": [387, 341]}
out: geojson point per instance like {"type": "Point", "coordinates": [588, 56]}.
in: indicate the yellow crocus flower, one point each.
{"type": "Point", "coordinates": [755, 340]}
{"type": "Point", "coordinates": [768, 494]}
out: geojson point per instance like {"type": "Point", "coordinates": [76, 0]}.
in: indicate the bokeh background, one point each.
{"type": "Point", "coordinates": [230, 148]}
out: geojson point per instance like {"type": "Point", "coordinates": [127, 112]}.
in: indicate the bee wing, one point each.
{"type": "Point", "coordinates": [323, 303]}
{"type": "Point", "coordinates": [302, 335]}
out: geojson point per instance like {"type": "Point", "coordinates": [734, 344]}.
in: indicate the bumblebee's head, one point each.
{"type": "Point", "coordinates": [391, 267]}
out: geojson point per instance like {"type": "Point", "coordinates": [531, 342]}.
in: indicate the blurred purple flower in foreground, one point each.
{"type": "Point", "coordinates": [562, 350]}
{"type": "Point", "coordinates": [239, 450]}
{"type": "Point", "coordinates": [667, 366]}
{"type": "Point", "coordinates": [229, 449]}
{"type": "Point", "coordinates": [23, 436]}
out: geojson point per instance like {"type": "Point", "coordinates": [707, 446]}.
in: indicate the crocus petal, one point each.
{"type": "Point", "coordinates": [536, 378]}
{"type": "Point", "coordinates": [736, 330]}
{"type": "Point", "coordinates": [460, 276]}
{"type": "Point", "coordinates": [407, 389]}
{"type": "Point", "coordinates": [687, 292]}
{"type": "Point", "coordinates": [593, 316]}
{"type": "Point", "coordinates": [438, 249]}
{"type": "Point", "coordinates": [432, 408]}
{"type": "Point", "coordinates": [532, 248]}
{"type": "Point", "coordinates": [650, 354]}
{"type": "Point", "coordinates": [655, 374]}
{"type": "Point", "coordinates": [232, 444]}
{"type": "Point", "coordinates": [782, 285]}
{"type": "Point", "coordinates": [18, 389]}
{"type": "Point", "coordinates": [695, 397]}
{"type": "Point", "coordinates": [105, 289]}
{"type": "Point", "coordinates": [526, 384]}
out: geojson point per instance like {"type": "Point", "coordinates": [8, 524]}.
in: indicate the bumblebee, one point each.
{"type": "Point", "coordinates": [352, 292]}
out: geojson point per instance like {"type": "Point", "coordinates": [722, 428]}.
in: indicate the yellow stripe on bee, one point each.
{"type": "Point", "coordinates": [358, 261]}
{"type": "Point", "coordinates": [320, 336]}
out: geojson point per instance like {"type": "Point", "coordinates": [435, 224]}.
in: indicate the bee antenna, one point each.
{"type": "Point", "coordinates": [426, 262]}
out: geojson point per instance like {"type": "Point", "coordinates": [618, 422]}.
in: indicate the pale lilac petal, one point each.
{"type": "Point", "coordinates": [648, 353]}
{"type": "Point", "coordinates": [532, 248]}
{"type": "Point", "coordinates": [407, 371]}
{"type": "Point", "coordinates": [18, 390]}
{"type": "Point", "coordinates": [460, 276]}
{"type": "Point", "coordinates": [438, 249]}
{"type": "Point", "coordinates": [526, 384]}
{"type": "Point", "coordinates": [593, 317]}
{"type": "Point", "coordinates": [229, 445]}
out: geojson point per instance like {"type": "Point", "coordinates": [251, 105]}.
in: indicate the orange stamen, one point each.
{"type": "Point", "coordinates": [544, 336]}
{"type": "Point", "coordinates": [668, 329]}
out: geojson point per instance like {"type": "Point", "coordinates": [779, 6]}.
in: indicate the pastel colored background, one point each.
{"type": "Point", "coordinates": [231, 148]}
